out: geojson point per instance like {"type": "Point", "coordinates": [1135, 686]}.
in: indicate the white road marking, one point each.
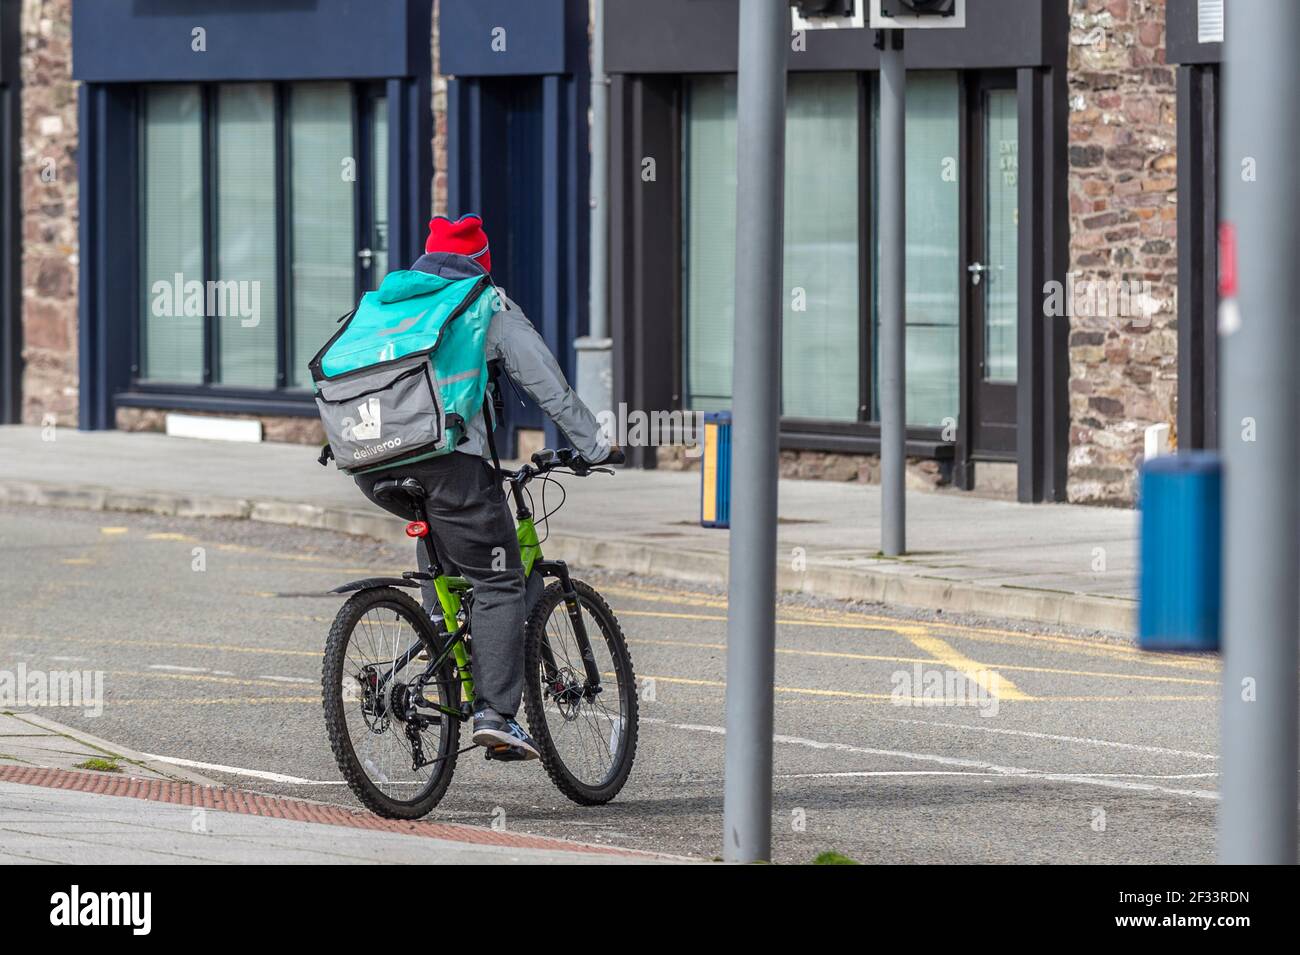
{"type": "Point", "coordinates": [1130, 782]}
{"type": "Point", "coordinates": [972, 764]}
{"type": "Point", "coordinates": [1030, 775]}
{"type": "Point", "coordinates": [233, 770]}
{"type": "Point", "coordinates": [1088, 740]}
{"type": "Point", "coordinates": [289, 679]}
{"type": "Point", "coordinates": [177, 669]}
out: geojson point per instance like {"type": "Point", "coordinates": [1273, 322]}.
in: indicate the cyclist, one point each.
{"type": "Point", "coordinates": [468, 517]}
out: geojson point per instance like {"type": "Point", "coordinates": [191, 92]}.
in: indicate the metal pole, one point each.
{"type": "Point", "coordinates": [599, 322]}
{"type": "Point", "coordinates": [1260, 354]}
{"type": "Point", "coordinates": [893, 333]}
{"type": "Point", "coordinates": [751, 614]}
{"type": "Point", "coordinates": [595, 349]}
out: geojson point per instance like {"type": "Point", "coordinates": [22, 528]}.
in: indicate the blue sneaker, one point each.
{"type": "Point", "coordinates": [504, 737]}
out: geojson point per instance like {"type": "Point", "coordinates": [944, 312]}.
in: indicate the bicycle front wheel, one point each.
{"type": "Point", "coordinates": [587, 730]}
{"type": "Point", "coordinates": [396, 754]}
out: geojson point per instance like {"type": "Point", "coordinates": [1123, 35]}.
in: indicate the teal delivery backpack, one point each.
{"type": "Point", "coordinates": [406, 372]}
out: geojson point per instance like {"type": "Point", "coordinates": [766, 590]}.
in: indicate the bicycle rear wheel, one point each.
{"type": "Point", "coordinates": [398, 757]}
{"type": "Point", "coordinates": [587, 734]}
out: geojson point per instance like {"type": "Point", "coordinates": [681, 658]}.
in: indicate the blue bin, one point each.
{"type": "Point", "coordinates": [715, 473]}
{"type": "Point", "coordinates": [1181, 497]}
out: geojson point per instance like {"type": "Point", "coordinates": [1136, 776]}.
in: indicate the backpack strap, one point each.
{"type": "Point", "coordinates": [489, 425]}
{"type": "Point", "coordinates": [494, 387]}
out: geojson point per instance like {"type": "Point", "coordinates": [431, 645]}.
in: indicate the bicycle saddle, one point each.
{"type": "Point", "coordinates": [403, 491]}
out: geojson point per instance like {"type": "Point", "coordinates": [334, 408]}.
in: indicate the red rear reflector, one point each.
{"type": "Point", "coordinates": [1227, 260]}
{"type": "Point", "coordinates": [417, 529]}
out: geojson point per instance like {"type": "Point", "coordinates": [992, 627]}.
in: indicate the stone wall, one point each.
{"type": "Point", "coordinates": [439, 127]}
{"type": "Point", "coordinates": [923, 474]}
{"type": "Point", "coordinates": [290, 429]}
{"type": "Point", "coordinates": [49, 207]}
{"type": "Point", "coordinates": [1123, 228]}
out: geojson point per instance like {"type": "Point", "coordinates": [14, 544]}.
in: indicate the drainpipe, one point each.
{"type": "Point", "coordinates": [595, 349]}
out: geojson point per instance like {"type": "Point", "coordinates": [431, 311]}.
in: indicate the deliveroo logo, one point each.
{"type": "Point", "coordinates": [405, 325]}
{"type": "Point", "coordinates": [367, 429]}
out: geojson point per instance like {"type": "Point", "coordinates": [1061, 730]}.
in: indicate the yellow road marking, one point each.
{"type": "Point", "coordinates": [846, 655]}
{"type": "Point", "coordinates": [992, 682]}
{"type": "Point", "coordinates": [77, 561]}
{"type": "Point", "coordinates": [195, 677]}
{"type": "Point", "coordinates": [829, 619]}
{"type": "Point", "coordinates": [162, 644]}
{"type": "Point", "coordinates": [830, 696]}
{"type": "Point", "coordinates": [261, 552]}
{"type": "Point", "coordinates": [836, 620]}
{"type": "Point", "coordinates": [112, 531]}
{"type": "Point", "coordinates": [849, 694]}
{"type": "Point", "coordinates": [168, 536]}
{"type": "Point", "coordinates": [216, 701]}
{"type": "Point", "coordinates": [782, 622]}
{"type": "Point", "coordinates": [854, 621]}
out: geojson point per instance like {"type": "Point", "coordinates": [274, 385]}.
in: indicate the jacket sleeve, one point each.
{"type": "Point", "coordinates": [530, 365]}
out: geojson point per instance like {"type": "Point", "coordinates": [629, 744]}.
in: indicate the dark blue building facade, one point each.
{"type": "Point", "coordinates": [517, 96]}
{"type": "Point", "coordinates": [247, 170]}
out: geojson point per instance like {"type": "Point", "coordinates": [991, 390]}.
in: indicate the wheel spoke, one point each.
{"type": "Point", "coordinates": [581, 729]}
{"type": "Point", "coordinates": [374, 695]}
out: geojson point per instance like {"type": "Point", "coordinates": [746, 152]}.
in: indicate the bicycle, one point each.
{"type": "Point", "coordinates": [394, 714]}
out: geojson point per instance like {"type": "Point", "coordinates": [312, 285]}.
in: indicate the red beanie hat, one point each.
{"type": "Point", "coordinates": [465, 236]}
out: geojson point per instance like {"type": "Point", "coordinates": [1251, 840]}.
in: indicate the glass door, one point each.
{"type": "Point", "coordinates": [992, 273]}
{"type": "Point", "coordinates": [372, 252]}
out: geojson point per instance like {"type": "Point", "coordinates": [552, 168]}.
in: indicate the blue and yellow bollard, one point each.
{"type": "Point", "coordinates": [715, 482]}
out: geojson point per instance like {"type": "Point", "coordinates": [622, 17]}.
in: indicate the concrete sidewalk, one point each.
{"type": "Point", "coordinates": [1054, 564]}
{"type": "Point", "coordinates": [55, 810]}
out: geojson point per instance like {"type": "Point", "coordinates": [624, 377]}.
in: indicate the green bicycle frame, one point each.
{"type": "Point", "coordinates": [449, 590]}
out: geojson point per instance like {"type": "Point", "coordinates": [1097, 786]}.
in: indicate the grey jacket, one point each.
{"type": "Point", "coordinates": [514, 342]}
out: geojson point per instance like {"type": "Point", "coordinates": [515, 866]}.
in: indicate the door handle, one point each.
{"type": "Point", "coordinates": [976, 270]}
{"type": "Point", "coordinates": [367, 256]}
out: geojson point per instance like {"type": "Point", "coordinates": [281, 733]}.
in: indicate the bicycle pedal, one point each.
{"type": "Point", "coordinates": [504, 753]}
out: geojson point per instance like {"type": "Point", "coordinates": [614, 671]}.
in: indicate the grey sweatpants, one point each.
{"type": "Point", "coordinates": [475, 537]}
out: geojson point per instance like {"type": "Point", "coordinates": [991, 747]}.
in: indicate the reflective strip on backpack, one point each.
{"type": "Point", "coordinates": [462, 376]}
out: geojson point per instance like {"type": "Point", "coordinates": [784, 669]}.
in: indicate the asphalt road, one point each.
{"type": "Point", "coordinates": [900, 739]}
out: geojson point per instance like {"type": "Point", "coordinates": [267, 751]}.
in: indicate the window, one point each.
{"type": "Point", "coordinates": [710, 236]}
{"type": "Point", "coordinates": [250, 218]}
{"type": "Point", "coordinates": [245, 230]}
{"type": "Point", "coordinates": [1001, 221]}
{"type": "Point", "coordinates": [821, 319]}
{"type": "Point", "coordinates": [172, 217]}
{"type": "Point", "coordinates": [934, 282]}
{"type": "Point", "coordinates": [323, 230]}
{"type": "Point", "coordinates": [821, 308]}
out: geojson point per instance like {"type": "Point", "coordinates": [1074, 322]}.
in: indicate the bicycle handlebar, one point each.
{"type": "Point", "coordinates": [566, 459]}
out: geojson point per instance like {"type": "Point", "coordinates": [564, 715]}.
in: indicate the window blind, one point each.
{"type": "Point", "coordinates": [246, 233]}
{"type": "Point", "coordinates": [172, 223]}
